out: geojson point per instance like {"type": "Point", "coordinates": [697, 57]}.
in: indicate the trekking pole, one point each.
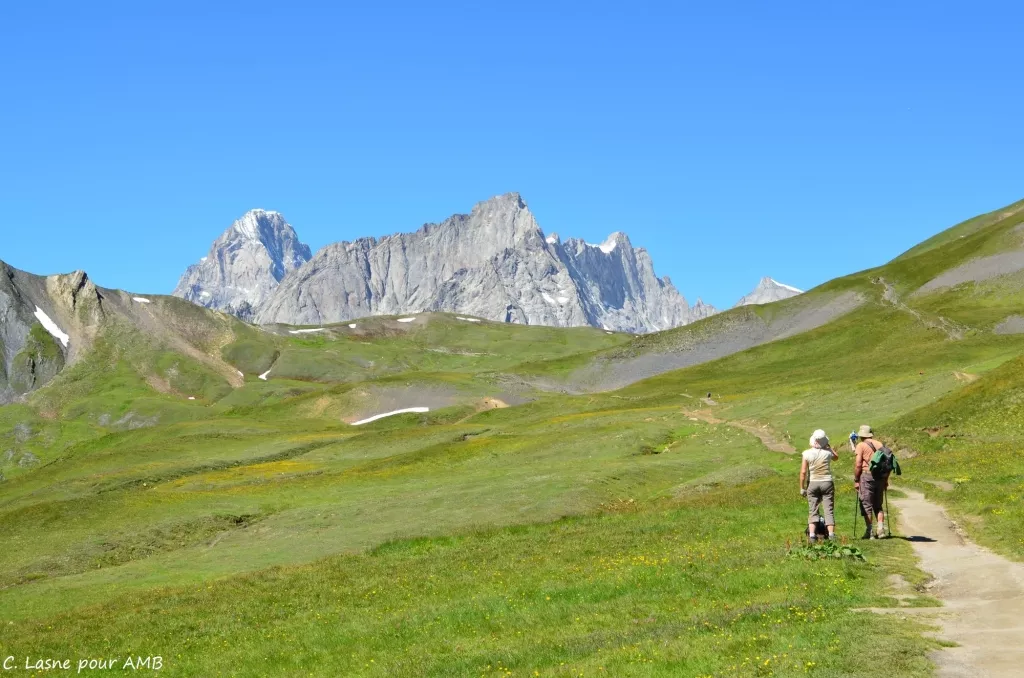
{"type": "Point", "coordinates": [888, 524]}
{"type": "Point", "coordinates": [856, 492]}
{"type": "Point", "coordinates": [856, 512]}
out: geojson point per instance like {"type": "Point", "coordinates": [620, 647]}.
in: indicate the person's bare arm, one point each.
{"type": "Point", "coordinates": [835, 455]}
{"type": "Point", "coordinates": [803, 476]}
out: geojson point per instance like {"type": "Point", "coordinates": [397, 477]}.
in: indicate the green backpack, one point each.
{"type": "Point", "coordinates": [883, 462]}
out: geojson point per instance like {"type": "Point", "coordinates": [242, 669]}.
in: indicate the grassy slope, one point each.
{"type": "Point", "coordinates": [609, 534]}
{"type": "Point", "coordinates": [638, 585]}
{"type": "Point", "coordinates": [898, 371]}
{"type": "Point", "coordinates": [970, 441]}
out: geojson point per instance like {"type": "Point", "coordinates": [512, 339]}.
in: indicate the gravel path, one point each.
{"type": "Point", "coordinates": [983, 594]}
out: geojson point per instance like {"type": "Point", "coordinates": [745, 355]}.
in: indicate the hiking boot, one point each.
{"type": "Point", "coordinates": [868, 534]}
{"type": "Point", "coordinates": [833, 537]}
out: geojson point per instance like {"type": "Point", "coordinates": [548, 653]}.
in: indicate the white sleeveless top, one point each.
{"type": "Point", "coordinates": [819, 465]}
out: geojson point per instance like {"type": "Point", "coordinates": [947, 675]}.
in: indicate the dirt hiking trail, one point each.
{"type": "Point", "coordinates": [982, 591]}
{"type": "Point", "coordinates": [772, 440]}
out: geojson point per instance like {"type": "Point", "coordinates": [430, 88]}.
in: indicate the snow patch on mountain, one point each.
{"type": "Point", "coordinates": [52, 327]}
{"type": "Point", "coordinates": [608, 246]}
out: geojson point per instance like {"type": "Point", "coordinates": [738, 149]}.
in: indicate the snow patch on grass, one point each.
{"type": "Point", "coordinates": [141, 300]}
{"type": "Point", "coordinates": [318, 329]}
{"type": "Point", "coordinates": [265, 375]}
{"type": "Point", "coordinates": [408, 410]}
{"type": "Point", "coordinates": [406, 320]}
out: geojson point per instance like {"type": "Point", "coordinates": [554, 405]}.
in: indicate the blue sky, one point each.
{"type": "Point", "coordinates": [801, 140]}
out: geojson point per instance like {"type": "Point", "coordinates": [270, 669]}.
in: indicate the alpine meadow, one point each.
{"type": "Point", "coordinates": [181, 484]}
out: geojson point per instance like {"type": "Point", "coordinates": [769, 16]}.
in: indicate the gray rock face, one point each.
{"type": "Point", "coordinates": [701, 310]}
{"type": "Point", "coordinates": [15, 322]}
{"type": "Point", "coordinates": [493, 263]}
{"type": "Point", "coordinates": [767, 291]}
{"type": "Point", "coordinates": [30, 353]}
{"type": "Point", "coordinates": [244, 265]}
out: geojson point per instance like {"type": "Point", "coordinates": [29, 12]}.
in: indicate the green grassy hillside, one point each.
{"type": "Point", "coordinates": [533, 522]}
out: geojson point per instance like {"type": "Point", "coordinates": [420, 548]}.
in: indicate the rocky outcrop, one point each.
{"type": "Point", "coordinates": [700, 310]}
{"type": "Point", "coordinates": [493, 263]}
{"type": "Point", "coordinates": [244, 265]}
{"type": "Point", "coordinates": [39, 361]}
{"type": "Point", "coordinates": [767, 291]}
{"type": "Point", "coordinates": [33, 346]}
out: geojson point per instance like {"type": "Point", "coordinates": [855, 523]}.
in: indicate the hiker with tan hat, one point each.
{"type": "Point", "coordinates": [869, 482]}
{"type": "Point", "coordinates": [817, 485]}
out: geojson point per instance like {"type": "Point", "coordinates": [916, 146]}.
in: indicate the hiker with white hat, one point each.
{"type": "Point", "coordinates": [817, 485]}
{"type": "Point", "coordinates": [870, 487]}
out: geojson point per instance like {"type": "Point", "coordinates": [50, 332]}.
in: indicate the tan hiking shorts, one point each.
{"type": "Point", "coordinates": [821, 493]}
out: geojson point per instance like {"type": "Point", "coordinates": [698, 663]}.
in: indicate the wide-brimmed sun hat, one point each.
{"type": "Point", "coordinates": [865, 432]}
{"type": "Point", "coordinates": [819, 437]}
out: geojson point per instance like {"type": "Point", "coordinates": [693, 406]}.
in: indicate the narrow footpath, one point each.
{"type": "Point", "coordinates": [983, 594]}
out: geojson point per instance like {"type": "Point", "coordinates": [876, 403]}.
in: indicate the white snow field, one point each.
{"type": "Point", "coordinates": [52, 327]}
{"type": "Point", "coordinates": [408, 410]}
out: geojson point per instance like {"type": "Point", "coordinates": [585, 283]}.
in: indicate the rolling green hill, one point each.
{"type": "Point", "coordinates": [193, 487]}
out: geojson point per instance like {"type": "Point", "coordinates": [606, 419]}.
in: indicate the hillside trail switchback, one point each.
{"type": "Point", "coordinates": [982, 592]}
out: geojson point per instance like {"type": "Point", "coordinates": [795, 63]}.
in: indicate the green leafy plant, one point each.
{"type": "Point", "coordinates": [826, 550]}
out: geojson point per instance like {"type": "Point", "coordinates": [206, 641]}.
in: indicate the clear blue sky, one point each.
{"type": "Point", "coordinates": [800, 140]}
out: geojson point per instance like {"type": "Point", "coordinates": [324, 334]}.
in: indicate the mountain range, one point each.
{"type": "Point", "coordinates": [494, 263]}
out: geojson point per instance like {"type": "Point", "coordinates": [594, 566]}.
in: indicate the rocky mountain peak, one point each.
{"type": "Point", "coordinates": [613, 241]}
{"type": "Point", "coordinates": [504, 221]}
{"type": "Point", "coordinates": [767, 291]}
{"type": "Point", "coordinates": [511, 202]}
{"type": "Point", "coordinates": [245, 264]}
{"type": "Point", "coordinates": [259, 224]}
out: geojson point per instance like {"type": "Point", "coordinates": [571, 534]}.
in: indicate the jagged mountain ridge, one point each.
{"type": "Point", "coordinates": [494, 263]}
{"type": "Point", "coordinates": [767, 291]}
{"type": "Point", "coordinates": [244, 265]}
{"type": "Point", "coordinates": [46, 322]}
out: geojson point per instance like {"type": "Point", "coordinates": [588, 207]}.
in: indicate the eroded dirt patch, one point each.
{"type": "Point", "coordinates": [976, 270]}
{"type": "Point", "coordinates": [699, 344]}
{"type": "Point", "coordinates": [1013, 324]}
